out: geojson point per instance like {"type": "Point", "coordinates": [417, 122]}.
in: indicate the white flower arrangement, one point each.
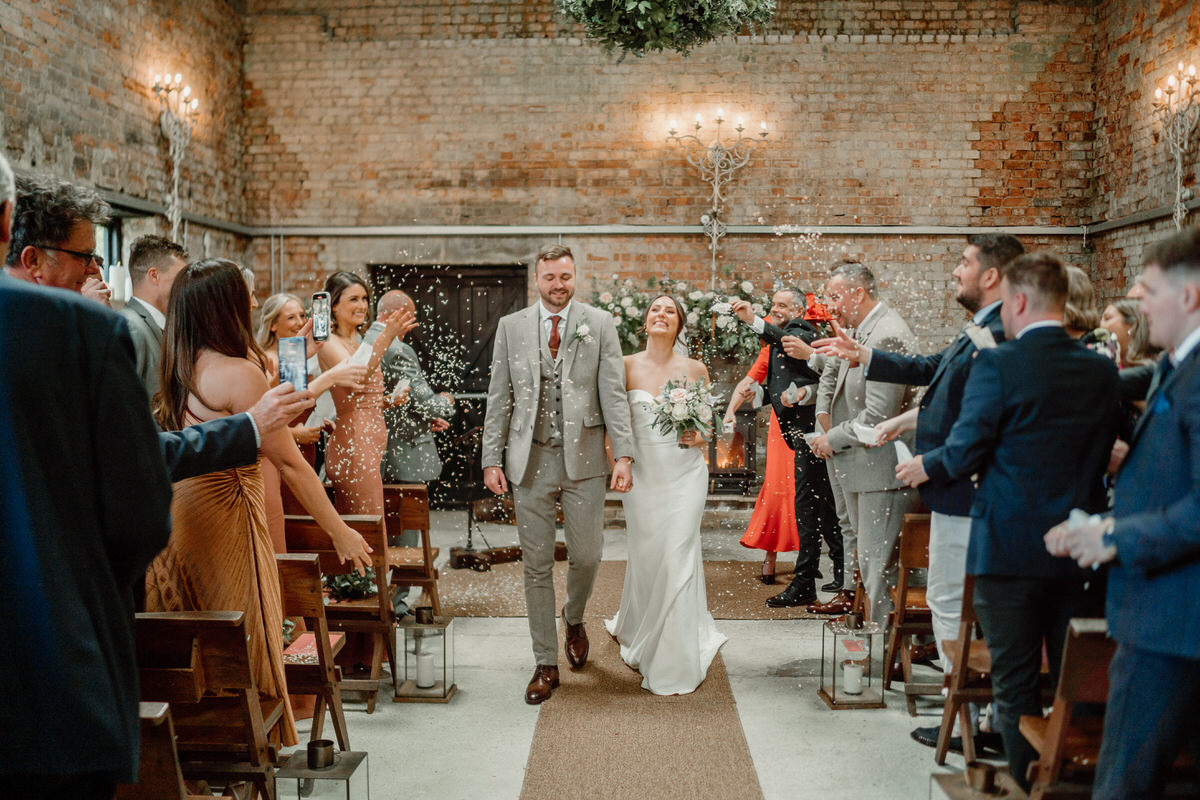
{"type": "Point", "coordinates": [747, 287]}
{"type": "Point", "coordinates": [683, 407]}
{"type": "Point", "coordinates": [583, 332]}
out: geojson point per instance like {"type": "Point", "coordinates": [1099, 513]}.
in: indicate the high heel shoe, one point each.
{"type": "Point", "coordinates": [767, 579]}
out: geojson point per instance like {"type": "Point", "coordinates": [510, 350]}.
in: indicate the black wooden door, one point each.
{"type": "Point", "coordinates": [458, 308]}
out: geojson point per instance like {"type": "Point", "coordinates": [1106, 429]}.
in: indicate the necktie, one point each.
{"type": "Point", "coordinates": [1161, 372]}
{"type": "Point", "coordinates": [554, 338]}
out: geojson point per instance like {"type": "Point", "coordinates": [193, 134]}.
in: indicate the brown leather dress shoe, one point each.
{"type": "Point", "coordinates": [840, 603]}
{"type": "Point", "coordinates": [577, 645]}
{"type": "Point", "coordinates": [545, 680]}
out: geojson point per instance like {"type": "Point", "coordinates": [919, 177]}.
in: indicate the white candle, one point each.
{"type": "Point", "coordinates": [425, 678]}
{"type": "Point", "coordinates": [852, 677]}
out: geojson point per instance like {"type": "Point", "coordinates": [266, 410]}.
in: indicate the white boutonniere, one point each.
{"type": "Point", "coordinates": [583, 332]}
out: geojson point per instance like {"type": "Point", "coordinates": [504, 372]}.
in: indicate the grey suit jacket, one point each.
{"type": "Point", "coordinates": [147, 342]}
{"type": "Point", "coordinates": [853, 398]}
{"type": "Point", "coordinates": [411, 453]}
{"type": "Point", "coordinates": [593, 393]}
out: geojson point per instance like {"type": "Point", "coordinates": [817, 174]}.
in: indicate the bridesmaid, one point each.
{"type": "Point", "coordinates": [219, 556]}
{"type": "Point", "coordinates": [355, 451]}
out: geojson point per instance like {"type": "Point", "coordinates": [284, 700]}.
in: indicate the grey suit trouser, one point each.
{"type": "Point", "coordinates": [583, 516]}
{"type": "Point", "coordinates": [849, 536]}
{"type": "Point", "coordinates": [877, 518]}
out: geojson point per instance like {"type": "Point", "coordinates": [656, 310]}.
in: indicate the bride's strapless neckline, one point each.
{"type": "Point", "coordinates": [643, 391]}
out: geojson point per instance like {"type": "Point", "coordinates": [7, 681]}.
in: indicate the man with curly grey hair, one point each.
{"type": "Point", "coordinates": [54, 236]}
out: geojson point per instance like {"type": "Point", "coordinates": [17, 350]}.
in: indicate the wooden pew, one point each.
{"type": "Point", "coordinates": [406, 507]}
{"type": "Point", "coordinates": [159, 777]}
{"type": "Point", "coordinates": [199, 662]}
{"type": "Point", "coordinates": [308, 660]}
{"type": "Point", "coordinates": [373, 616]}
{"type": "Point", "coordinates": [911, 615]}
{"type": "Point", "coordinates": [969, 680]}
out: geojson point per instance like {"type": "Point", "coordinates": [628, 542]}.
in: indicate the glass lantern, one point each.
{"type": "Point", "coordinates": [847, 677]}
{"type": "Point", "coordinates": [428, 661]}
{"type": "Point", "coordinates": [343, 780]}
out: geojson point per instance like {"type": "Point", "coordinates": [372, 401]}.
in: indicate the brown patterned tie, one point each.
{"type": "Point", "coordinates": [554, 338]}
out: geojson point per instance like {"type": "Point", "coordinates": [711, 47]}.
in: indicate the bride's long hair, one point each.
{"type": "Point", "coordinates": [679, 312]}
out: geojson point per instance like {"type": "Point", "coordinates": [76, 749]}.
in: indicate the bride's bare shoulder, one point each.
{"type": "Point", "coordinates": [695, 370]}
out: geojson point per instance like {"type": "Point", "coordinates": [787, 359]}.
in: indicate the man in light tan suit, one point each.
{"type": "Point", "coordinates": [558, 382]}
{"type": "Point", "coordinates": [874, 499]}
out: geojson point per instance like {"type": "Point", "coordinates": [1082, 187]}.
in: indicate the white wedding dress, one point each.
{"type": "Point", "coordinates": [663, 626]}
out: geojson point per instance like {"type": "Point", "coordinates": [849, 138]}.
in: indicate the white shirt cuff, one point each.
{"type": "Point", "coordinates": [257, 435]}
{"type": "Point", "coordinates": [758, 325]}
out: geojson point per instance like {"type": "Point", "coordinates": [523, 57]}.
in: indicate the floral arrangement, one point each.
{"type": "Point", "coordinates": [683, 407]}
{"type": "Point", "coordinates": [351, 585]}
{"type": "Point", "coordinates": [641, 26]}
{"type": "Point", "coordinates": [711, 331]}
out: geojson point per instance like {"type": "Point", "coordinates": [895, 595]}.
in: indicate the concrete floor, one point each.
{"type": "Point", "coordinates": [476, 747]}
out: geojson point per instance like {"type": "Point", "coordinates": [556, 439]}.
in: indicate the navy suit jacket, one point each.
{"type": "Point", "coordinates": [782, 371]}
{"type": "Point", "coordinates": [83, 509]}
{"type": "Point", "coordinates": [1154, 585]}
{"type": "Point", "coordinates": [1038, 421]}
{"type": "Point", "coordinates": [945, 374]}
{"type": "Point", "coordinates": [209, 446]}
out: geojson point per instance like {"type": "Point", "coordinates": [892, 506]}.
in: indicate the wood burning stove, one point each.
{"type": "Point", "coordinates": [732, 457]}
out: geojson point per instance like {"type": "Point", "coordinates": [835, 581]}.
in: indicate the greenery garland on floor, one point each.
{"type": "Point", "coordinates": [641, 26]}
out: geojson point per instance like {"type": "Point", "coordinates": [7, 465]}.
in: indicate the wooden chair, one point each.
{"type": "Point", "coordinates": [1069, 746]}
{"type": "Point", "coordinates": [373, 616]}
{"type": "Point", "coordinates": [199, 662]}
{"type": "Point", "coordinates": [969, 680]}
{"type": "Point", "coordinates": [159, 776]}
{"type": "Point", "coordinates": [911, 615]}
{"type": "Point", "coordinates": [406, 508]}
{"type": "Point", "coordinates": [308, 660]}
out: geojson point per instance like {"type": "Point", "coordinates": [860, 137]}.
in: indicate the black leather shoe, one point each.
{"type": "Point", "coordinates": [793, 596]}
{"type": "Point", "coordinates": [989, 741]}
{"type": "Point", "coordinates": [929, 737]}
{"type": "Point", "coordinates": [833, 586]}
{"type": "Point", "coordinates": [767, 579]}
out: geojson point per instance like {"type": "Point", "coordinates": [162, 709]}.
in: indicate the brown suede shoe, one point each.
{"type": "Point", "coordinates": [840, 603]}
{"type": "Point", "coordinates": [545, 680]}
{"type": "Point", "coordinates": [577, 645]}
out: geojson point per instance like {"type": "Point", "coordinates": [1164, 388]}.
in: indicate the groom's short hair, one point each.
{"type": "Point", "coordinates": [553, 252]}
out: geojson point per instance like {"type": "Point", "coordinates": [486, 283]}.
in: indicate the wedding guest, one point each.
{"type": "Point", "coordinates": [219, 555]}
{"type": "Point", "coordinates": [1039, 417]}
{"type": "Point", "coordinates": [72, 546]}
{"type": "Point", "coordinates": [1124, 319]}
{"type": "Point", "coordinates": [945, 373]}
{"type": "Point", "coordinates": [355, 451]}
{"type": "Point", "coordinates": [875, 500]}
{"type": "Point", "coordinates": [153, 264]}
{"type": "Point", "coordinates": [54, 238]}
{"type": "Point", "coordinates": [1152, 541]}
{"type": "Point", "coordinates": [816, 517]}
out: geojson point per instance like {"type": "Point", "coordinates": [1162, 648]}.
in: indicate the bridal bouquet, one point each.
{"type": "Point", "coordinates": [683, 407]}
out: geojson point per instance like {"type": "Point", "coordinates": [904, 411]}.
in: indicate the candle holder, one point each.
{"type": "Point", "coordinates": [178, 114]}
{"type": "Point", "coordinates": [717, 163]}
{"type": "Point", "coordinates": [1177, 110]}
{"type": "Point", "coordinates": [428, 661]}
{"type": "Point", "coordinates": [341, 779]}
{"type": "Point", "coordinates": [851, 680]}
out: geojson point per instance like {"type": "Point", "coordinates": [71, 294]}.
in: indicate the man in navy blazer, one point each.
{"type": "Point", "coordinates": [945, 373]}
{"type": "Point", "coordinates": [1039, 417]}
{"type": "Point", "coordinates": [816, 515]}
{"type": "Point", "coordinates": [1152, 540]}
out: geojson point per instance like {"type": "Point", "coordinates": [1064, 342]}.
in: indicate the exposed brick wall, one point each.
{"type": "Point", "coordinates": [76, 99]}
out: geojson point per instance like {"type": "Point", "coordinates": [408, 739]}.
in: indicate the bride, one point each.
{"type": "Point", "coordinates": [663, 626]}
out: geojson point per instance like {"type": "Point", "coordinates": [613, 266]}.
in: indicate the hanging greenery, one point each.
{"type": "Point", "coordinates": [642, 26]}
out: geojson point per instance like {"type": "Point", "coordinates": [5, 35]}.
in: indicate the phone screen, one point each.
{"type": "Point", "coordinates": [293, 366]}
{"type": "Point", "coordinates": [320, 316]}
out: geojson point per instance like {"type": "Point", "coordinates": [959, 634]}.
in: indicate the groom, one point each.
{"type": "Point", "coordinates": [558, 381]}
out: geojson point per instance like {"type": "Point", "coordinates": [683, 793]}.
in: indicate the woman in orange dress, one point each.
{"type": "Point", "coordinates": [219, 556]}
{"type": "Point", "coordinates": [773, 524]}
{"type": "Point", "coordinates": [355, 451]}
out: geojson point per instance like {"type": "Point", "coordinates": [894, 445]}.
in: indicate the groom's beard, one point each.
{"type": "Point", "coordinates": [557, 299]}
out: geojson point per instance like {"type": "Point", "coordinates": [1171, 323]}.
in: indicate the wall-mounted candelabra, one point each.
{"type": "Point", "coordinates": [178, 115]}
{"type": "Point", "coordinates": [717, 163]}
{"type": "Point", "coordinates": [1177, 110]}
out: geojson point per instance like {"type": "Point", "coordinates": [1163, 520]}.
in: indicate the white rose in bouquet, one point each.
{"type": "Point", "coordinates": [677, 396]}
{"type": "Point", "coordinates": [679, 411]}
{"type": "Point", "coordinates": [704, 412]}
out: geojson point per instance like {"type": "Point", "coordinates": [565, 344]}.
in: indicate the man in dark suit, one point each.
{"type": "Point", "coordinates": [945, 373]}
{"type": "Point", "coordinates": [1152, 540]}
{"type": "Point", "coordinates": [154, 261]}
{"type": "Point", "coordinates": [816, 517]}
{"type": "Point", "coordinates": [1038, 420]}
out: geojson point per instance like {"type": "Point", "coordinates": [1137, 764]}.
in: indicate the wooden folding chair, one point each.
{"type": "Point", "coordinates": [406, 508]}
{"type": "Point", "coordinates": [374, 615]}
{"type": "Point", "coordinates": [1069, 746]}
{"type": "Point", "coordinates": [910, 615]}
{"type": "Point", "coordinates": [968, 681]}
{"type": "Point", "coordinates": [159, 777]}
{"type": "Point", "coordinates": [199, 662]}
{"type": "Point", "coordinates": [308, 660]}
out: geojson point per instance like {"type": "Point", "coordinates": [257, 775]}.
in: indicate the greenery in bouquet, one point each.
{"type": "Point", "coordinates": [711, 331]}
{"type": "Point", "coordinates": [641, 26]}
{"type": "Point", "coordinates": [351, 586]}
{"type": "Point", "coordinates": [685, 406]}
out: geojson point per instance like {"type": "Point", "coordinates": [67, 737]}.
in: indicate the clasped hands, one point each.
{"type": "Point", "coordinates": [1083, 542]}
